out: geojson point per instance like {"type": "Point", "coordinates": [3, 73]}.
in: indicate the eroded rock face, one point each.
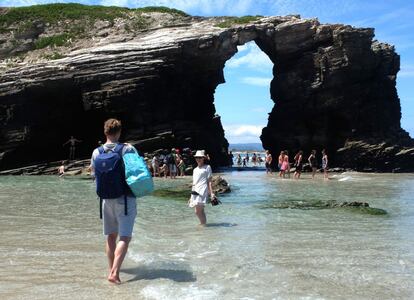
{"type": "Point", "coordinates": [333, 84]}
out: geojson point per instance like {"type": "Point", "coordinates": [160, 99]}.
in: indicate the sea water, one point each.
{"type": "Point", "coordinates": [52, 246]}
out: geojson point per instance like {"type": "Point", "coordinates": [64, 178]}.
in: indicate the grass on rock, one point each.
{"type": "Point", "coordinates": [53, 13]}
{"type": "Point", "coordinates": [230, 21]}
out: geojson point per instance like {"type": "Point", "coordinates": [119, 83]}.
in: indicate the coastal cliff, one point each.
{"type": "Point", "coordinates": [63, 72]}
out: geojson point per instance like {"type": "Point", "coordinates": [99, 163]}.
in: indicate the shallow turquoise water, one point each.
{"type": "Point", "coordinates": [52, 247]}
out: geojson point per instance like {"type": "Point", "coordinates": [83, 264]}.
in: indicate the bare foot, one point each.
{"type": "Point", "coordinates": [114, 279]}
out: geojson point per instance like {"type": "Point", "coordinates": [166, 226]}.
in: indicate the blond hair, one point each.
{"type": "Point", "coordinates": [112, 126]}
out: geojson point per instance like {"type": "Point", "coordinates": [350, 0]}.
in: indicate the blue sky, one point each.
{"type": "Point", "coordinates": [243, 102]}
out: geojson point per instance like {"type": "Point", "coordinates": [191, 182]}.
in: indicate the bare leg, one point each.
{"type": "Point", "coordinates": [110, 249]}
{"type": "Point", "coordinates": [120, 253]}
{"type": "Point", "coordinates": [199, 210]}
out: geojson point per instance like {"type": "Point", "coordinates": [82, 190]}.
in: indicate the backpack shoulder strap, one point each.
{"type": "Point", "coordinates": [118, 148]}
{"type": "Point", "coordinates": [101, 149]}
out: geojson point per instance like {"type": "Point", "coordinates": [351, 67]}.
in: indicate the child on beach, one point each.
{"type": "Point", "coordinates": [163, 170]}
{"type": "Point", "coordinates": [61, 169]}
{"type": "Point", "coordinates": [202, 187]}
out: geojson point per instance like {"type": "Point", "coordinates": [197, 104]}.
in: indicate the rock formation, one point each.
{"type": "Point", "coordinates": [333, 87]}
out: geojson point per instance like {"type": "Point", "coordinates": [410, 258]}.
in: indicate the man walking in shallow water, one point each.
{"type": "Point", "coordinates": [118, 213]}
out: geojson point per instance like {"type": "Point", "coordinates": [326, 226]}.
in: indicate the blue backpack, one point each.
{"type": "Point", "coordinates": [110, 175]}
{"type": "Point", "coordinates": [138, 177]}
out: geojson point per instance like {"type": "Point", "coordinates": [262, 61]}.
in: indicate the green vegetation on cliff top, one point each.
{"type": "Point", "coordinates": [53, 13]}
{"type": "Point", "coordinates": [230, 21]}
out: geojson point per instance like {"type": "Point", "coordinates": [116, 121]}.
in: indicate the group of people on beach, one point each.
{"type": "Point", "coordinates": [256, 159]}
{"type": "Point", "coordinates": [284, 165]}
{"type": "Point", "coordinates": [170, 164]}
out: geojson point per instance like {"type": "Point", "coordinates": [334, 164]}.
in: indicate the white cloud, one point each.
{"type": "Point", "coordinates": [254, 59]}
{"type": "Point", "coordinates": [243, 133]}
{"type": "Point", "coordinates": [242, 48]}
{"type": "Point", "coordinates": [257, 81]}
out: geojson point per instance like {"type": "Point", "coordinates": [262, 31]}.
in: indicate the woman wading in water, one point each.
{"type": "Point", "coordinates": [298, 164]}
{"type": "Point", "coordinates": [202, 176]}
{"type": "Point", "coordinates": [313, 163]}
{"type": "Point", "coordinates": [325, 164]}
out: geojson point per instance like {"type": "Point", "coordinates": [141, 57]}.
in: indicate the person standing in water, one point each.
{"type": "Point", "coordinates": [118, 214]}
{"type": "Point", "coordinates": [244, 162]}
{"type": "Point", "coordinates": [72, 146]}
{"type": "Point", "coordinates": [313, 163]}
{"type": "Point", "coordinates": [285, 167]}
{"type": "Point", "coordinates": [254, 159]}
{"type": "Point", "coordinates": [325, 164]}
{"type": "Point", "coordinates": [239, 159]}
{"type": "Point", "coordinates": [298, 164]}
{"type": "Point", "coordinates": [155, 166]}
{"type": "Point", "coordinates": [202, 187]}
{"type": "Point", "coordinates": [280, 164]}
{"type": "Point", "coordinates": [268, 162]}
{"type": "Point", "coordinates": [286, 164]}
{"type": "Point", "coordinates": [231, 157]}
{"type": "Point", "coordinates": [181, 166]}
{"type": "Point", "coordinates": [280, 160]}
{"type": "Point", "coordinates": [172, 163]}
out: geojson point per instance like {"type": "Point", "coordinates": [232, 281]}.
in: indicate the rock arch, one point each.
{"type": "Point", "coordinates": [333, 87]}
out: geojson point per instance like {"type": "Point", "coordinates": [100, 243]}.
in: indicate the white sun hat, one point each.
{"type": "Point", "coordinates": [200, 153]}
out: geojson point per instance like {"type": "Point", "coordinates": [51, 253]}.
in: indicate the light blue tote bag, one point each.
{"type": "Point", "coordinates": [137, 175]}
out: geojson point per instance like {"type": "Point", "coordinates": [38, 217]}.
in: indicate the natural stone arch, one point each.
{"type": "Point", "coordinates": [161, 83]}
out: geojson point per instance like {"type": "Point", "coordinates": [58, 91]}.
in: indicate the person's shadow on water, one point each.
{"type": "Point", "coordinates": [149, 273]}
{"type": "Point", "coordinates": [221, 224]}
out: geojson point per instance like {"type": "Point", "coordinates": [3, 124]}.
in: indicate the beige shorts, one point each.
{"type": "Point", "coordinates": [114, 218]}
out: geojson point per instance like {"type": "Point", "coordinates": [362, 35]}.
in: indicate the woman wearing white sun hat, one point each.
{"type": "Point", "coordinates": [202, 187]}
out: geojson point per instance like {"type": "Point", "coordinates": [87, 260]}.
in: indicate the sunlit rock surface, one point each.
{"type": "Point", "coordinates": [333, 85]}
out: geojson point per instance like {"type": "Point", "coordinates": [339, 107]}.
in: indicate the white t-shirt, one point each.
{"type": "Point", "coordinates": [201, 175]}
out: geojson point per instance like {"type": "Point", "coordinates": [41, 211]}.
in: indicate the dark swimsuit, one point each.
{"type": "Point", "coordinates": [313, 162]}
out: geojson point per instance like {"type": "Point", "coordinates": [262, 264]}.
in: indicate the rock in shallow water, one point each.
{"type": "Point", "coordinates": [182, 192]}
{"type": "Point", "coordinates": [360, 207]}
